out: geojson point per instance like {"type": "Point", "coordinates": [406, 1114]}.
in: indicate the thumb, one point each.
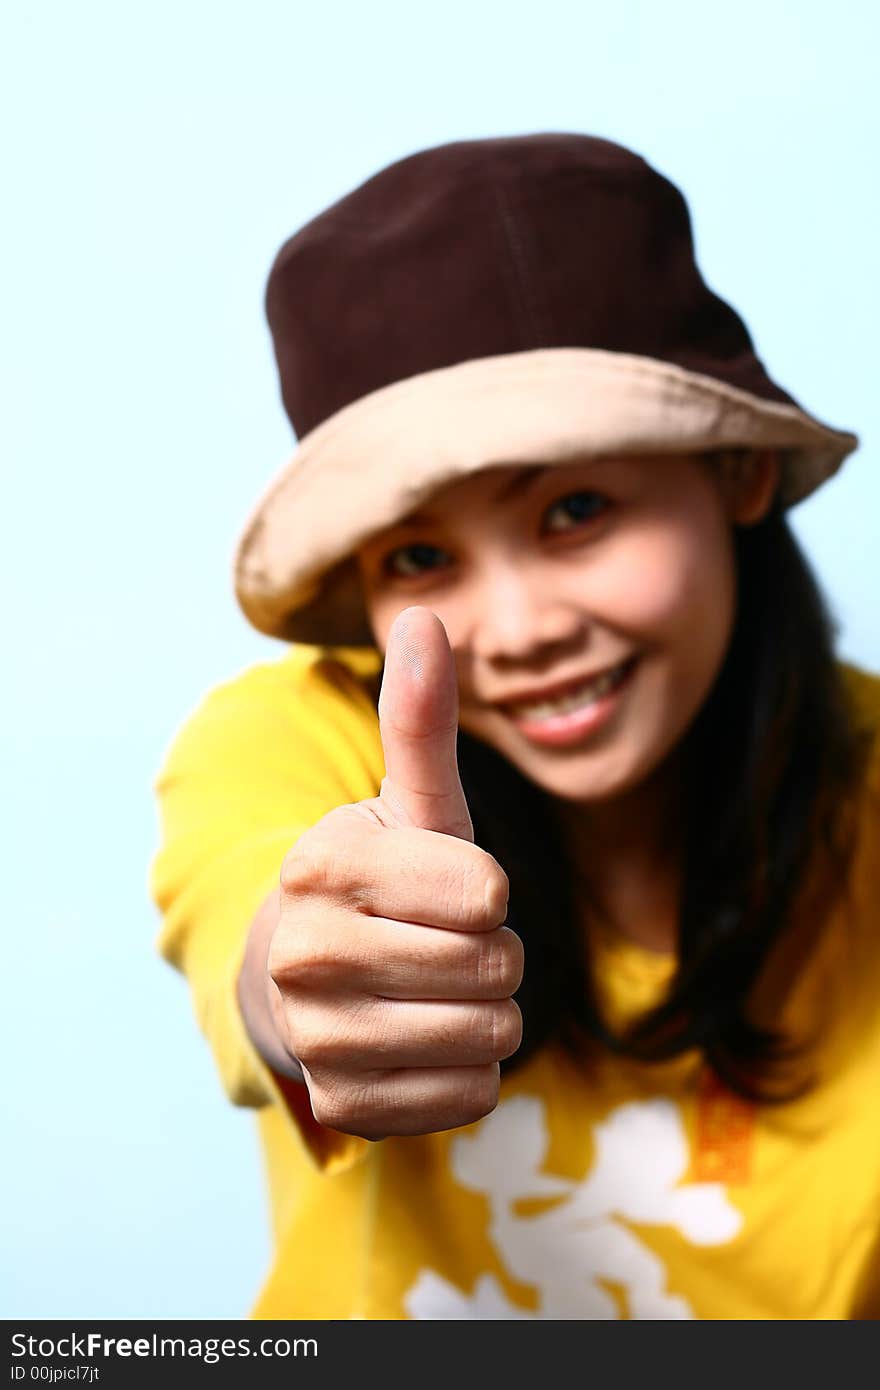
{"type": "Point", "coordinates": [418, 723]}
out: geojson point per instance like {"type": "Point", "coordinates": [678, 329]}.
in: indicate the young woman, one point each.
{"type": "Point", "coordinates": [531, 897]}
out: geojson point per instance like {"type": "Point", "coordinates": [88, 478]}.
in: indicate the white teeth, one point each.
{"type": "Point", "coordinates": [583, 696]}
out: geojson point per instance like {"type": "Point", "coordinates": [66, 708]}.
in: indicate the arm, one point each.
{"type": "Point", "coordinates": [261, 758]}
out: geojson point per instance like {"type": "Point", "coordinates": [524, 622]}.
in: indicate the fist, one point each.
{"type": "Point", "coordinates": [391, 967]}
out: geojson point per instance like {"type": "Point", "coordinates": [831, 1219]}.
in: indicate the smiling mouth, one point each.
{"type": "Point", "coordinates": [579, 697]}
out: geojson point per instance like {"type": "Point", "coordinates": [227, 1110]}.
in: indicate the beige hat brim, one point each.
{"type": "Point", "coordinates": [377, 459]}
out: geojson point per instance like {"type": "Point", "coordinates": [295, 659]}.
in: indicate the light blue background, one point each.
{"type": "Point", "coordinates": [156, 157]}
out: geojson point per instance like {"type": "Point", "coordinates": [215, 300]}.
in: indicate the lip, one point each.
{"type": "Point", "coordinates": [565, 730]}
{"type": "Point", "coordinates": [552, 692]}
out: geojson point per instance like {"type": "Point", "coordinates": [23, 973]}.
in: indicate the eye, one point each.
{"type": "Point", "coordinates": [408, 561]}
{"type": "Point", "coordinates": [573, 510]}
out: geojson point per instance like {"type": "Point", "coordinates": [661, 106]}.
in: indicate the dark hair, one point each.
{"type": "Point", "coordinates": [769, 766]}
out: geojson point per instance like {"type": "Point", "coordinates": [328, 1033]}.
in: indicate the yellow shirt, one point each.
{"type": "Point", "coordinates": [601, 1191]}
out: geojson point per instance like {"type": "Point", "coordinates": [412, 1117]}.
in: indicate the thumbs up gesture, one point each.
{"type": "Point", "coordinates": [392, 967]}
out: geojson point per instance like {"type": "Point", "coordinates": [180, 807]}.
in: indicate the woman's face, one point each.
{"type": "Point", "coordinates": [546, 577]}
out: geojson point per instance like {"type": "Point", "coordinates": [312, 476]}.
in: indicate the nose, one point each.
{"type": "Point", "coordinates": [520, 614]}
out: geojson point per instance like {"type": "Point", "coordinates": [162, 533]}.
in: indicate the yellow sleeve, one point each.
{"type": "Point", "coordinates": [264, 756]}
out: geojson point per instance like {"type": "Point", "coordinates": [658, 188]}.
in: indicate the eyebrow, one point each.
{"type": "Point", "coordinates": [520, 482]}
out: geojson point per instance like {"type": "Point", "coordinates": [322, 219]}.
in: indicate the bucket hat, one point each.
{"type": "Point", "coordinates": [498, 301]}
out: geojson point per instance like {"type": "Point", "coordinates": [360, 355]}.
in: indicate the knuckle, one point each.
{"type": "Point", "coordinates": [303, 958]}
{"type": "Point", "coordinates": [496, 889]}
{"type": "Point", "coordinates": [318, 1041]}
{"type": "Point", "coordinates": [291, 869]}
{"type": "Point", "coordinates": [305, 866]}
{"type": "Point", "coordinates": [282, 966]}
{"type": "Point", "coordinates": [304, 1038]}
{"type": "Point", "coordinates": [485, 888]}
{"type": "Point", "coordinates": [300, 938]}
{"type": "Point", "coordinates": [480, 1092]}
{"type": "Point", "coordinates": [335, 858]}
{"type": "Point", "coordinates": [514, 959]}
{"type": "Point", "coordinates": [379, 1105]}
{"type": "Point", "coordinates": [503, 1028]}
{"type": "Point", "coordinates": [488, 968]}
{"type": "Point", "coordinates": [346, 1036]}
{"type": "Point", "coordinates": [331, 1106]}
{"type": "Point", "coordinates": [499, 967]}
{"type": "Point", "coordinates": [362, 1110]}
{"type": "Point", "coordinates": [483, 896]}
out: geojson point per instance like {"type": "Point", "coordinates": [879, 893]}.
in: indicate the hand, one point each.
{"type": "Point", "coordinates": [392, 970]}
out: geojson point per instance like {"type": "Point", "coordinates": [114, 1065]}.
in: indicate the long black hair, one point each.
{"type": "Point", "coordinates": [769, 765]}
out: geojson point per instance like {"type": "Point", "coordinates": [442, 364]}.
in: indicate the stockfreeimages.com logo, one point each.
{"type": "Point", "coordinates": [93, 1345]}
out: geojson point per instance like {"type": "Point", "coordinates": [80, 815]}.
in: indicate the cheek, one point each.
{"type": "Point", "coordinates": [380, 622]}
{"type": "Point", "coordinates": [381, 612]}
{"type": "Point", "coordinates": [383, 607]}
{"type": "Point", "coordinates": [669, 584]}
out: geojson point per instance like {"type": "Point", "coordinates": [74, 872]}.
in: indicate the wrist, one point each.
{"type": "Point", "coordinates": [254, 990]}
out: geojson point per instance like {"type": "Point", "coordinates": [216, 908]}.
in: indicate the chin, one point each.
{"type": "Point", "coordinates": [602, 780]}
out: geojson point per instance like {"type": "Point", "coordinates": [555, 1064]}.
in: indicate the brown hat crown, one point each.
{"type": "Point", "coordinates": [484, 247]}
